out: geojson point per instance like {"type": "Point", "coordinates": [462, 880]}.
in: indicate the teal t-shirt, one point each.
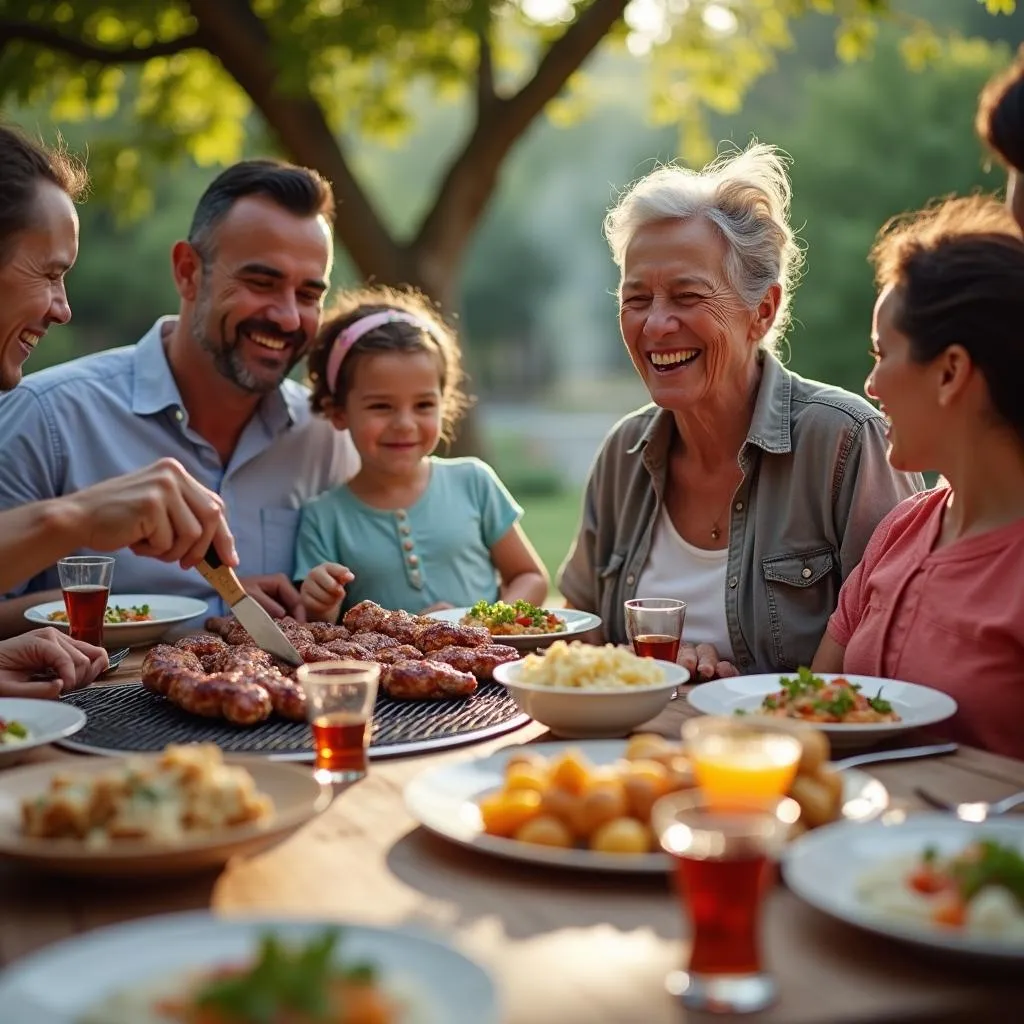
{"type": "Point", "coordinates": [439, 549]}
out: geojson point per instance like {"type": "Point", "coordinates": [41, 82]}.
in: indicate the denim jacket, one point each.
{"type": "Point", "coordinates": [816, 483]}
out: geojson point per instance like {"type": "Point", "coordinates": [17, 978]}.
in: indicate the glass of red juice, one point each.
{"type": "Point", "coordinates": [85, 582]}
{"type": "Point", "coordinates": [724, 867]}
{"type": "Point", "coordinates": [340, 696]}
{"type": "Point", "coordinates": [654, 626]}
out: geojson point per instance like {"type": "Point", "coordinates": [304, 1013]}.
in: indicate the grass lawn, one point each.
{"type": "Point", "coordinates": [550, 522]}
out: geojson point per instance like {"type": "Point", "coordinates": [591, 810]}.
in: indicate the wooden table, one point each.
{"type": "Point", "coordinates": [565, 948]}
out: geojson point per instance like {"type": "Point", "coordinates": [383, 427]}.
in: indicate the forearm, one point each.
{"type": "Point", "coordinates": [527, 586]}
{"type": "Point", "coordinates": [35, 536]}
{"type": "Point", "coordinates": [12, 613]}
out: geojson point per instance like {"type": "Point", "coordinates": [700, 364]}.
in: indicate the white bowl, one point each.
{"type": "Point", "coordinates": [576, 713]}
{"type": "Point", "coordinates": [167, 611]}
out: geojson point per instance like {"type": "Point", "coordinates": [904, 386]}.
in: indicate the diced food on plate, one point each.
{"type": "Point", "coordinates": [188, 791]}
{"type": "Point", "coordinates": [566, 801]}
{"type": "Point", "coordinates": [520, 618]}
{"type": "Point", "coordinates": [12, 732]}
{"type": "Point", "coordinates": [813, 699]}
{"type": "Point", "coordinates": [589, 667]}
{"type": "Point", "coordinates": [309, 983]}
{"type": "Point", "coordinates": [978, 891]}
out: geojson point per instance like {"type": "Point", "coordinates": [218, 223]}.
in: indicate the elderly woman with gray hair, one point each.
{"type": "Point", "coordinates": [743, 489]}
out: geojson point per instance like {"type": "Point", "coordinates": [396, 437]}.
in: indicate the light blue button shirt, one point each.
{"type": "Point", "coordinates": [93, 418]}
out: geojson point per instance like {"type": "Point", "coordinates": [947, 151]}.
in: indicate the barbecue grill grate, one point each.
{"type": "Point", "coordinates": [127, 717]}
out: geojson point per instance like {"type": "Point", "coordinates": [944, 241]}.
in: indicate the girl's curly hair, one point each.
{"type": "Point", "coordinates": [440, 340]}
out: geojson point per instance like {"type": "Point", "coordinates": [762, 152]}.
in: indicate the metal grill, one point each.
{"type": "Point", "coordinates": [128, 717]}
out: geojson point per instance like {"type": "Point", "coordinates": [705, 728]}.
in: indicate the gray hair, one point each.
{"type": "Point", "coordinates": [745, 195]}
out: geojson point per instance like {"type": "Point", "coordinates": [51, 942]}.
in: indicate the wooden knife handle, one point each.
{"type": "Point", "coordinates": [221, 577]}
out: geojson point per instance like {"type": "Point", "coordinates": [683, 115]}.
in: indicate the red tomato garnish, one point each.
{"type": "Point", "coordinates": [927, 880]}
{"type": "Point", "coordinates": [524, 620]}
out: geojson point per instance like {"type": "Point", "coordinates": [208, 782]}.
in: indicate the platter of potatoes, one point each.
{"type": "Point", "coordinates": [587, 804]}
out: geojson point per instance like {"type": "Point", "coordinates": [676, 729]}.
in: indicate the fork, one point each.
{"type": "Point", "coordinates": [978, 811]}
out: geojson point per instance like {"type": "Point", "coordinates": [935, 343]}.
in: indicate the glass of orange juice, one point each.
{"type": "Point", "coordinates": [741, 762]}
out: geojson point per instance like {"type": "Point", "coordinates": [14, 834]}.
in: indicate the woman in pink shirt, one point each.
{"type": "Point", "coordinates": [938, 598]}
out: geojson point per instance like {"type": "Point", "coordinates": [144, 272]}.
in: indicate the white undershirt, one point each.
{"type": "Point", "coordinates": [679, 570]}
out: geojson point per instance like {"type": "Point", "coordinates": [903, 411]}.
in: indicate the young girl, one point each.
{"type": "Point", "coordinates": [409, 530]}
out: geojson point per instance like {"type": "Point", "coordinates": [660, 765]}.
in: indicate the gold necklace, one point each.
{"type": "Point", "coordinates": [716, 530]}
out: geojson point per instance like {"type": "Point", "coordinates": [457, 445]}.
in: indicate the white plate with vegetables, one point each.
{"type": "Point", "coordinates": [25, 724]}
{"type": "Point", "coordinates": [522, 625]}
{"type": "Point", "coordinates": [852, 710]}
{"type": "Point", "coordinates": [932, 880]}
{"type": "Point", "coordinates": [248, 969]}
{"type": "Point", "coordinates": [132, 620]}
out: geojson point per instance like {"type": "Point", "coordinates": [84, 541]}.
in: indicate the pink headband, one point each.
{"type": "Point", "coordinates": [364, 325]}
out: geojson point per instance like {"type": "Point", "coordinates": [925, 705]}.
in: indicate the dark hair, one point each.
{"type": "Point", "coordinates": [440, 340]}
{"type": "Point", "coordinates": [957, 269]}
{"type": "Point", "coordinates": [299, 190]}
{"type": "Point", "coordinates": [23, 164]}
{"type": "Point", "coordinates": [1000, 119]}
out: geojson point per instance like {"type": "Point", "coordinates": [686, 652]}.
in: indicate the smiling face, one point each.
{"type": "Point", "coordinates": [393, 410]}
{"type": "Point", "coordinates": [32, 279]}
{"type": "Point", "coordinates": [684, 326]}
{"type": "Point", "coordinates": [906, 391]}
{"type": "Point", "coordinates": [255, 305]}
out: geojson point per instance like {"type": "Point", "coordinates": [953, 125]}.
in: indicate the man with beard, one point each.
{"type": "Point", "coordinates": [208, 388]}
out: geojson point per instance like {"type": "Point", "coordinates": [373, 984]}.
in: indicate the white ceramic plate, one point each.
{"type": "Point", "coordinates": [166, 611]}
{"type": "Point", "coordinates": [824, 868]}
{"type": "Point", "coordinates": [297, 798]}
{"type": "Point", "coordinates": [444, 800]}
{"type": "Point", "coordinates": [575, 624]}
{"type": "Point", "coordinates": [46, 721]}
{"type": "Point", "coordinates": [577, 713]}
{"type": "Point", "coordinates": [916, 705]}
{"type": "Point", "coordinates": [447, 987]}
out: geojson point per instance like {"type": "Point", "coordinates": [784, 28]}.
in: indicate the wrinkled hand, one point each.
{"type": "Point", "coordinates": [441, 606]}
{"type": "Point", "coordinates": [323, 590]}
{"type": "Point", "coordinates": [45, 651]}
{"type": "Point", "coordinates": [160, 512]}
{"type": "Point", "coordinates": [703, 663]}
{"type": "Point", "coordinates": [276, 594]}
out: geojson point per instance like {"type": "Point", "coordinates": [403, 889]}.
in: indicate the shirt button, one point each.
{"type": "Point", "coordinates": [401, 514]}
{"type": "Point", "coordinates": [405, 529]}
{"type": "Point", "coordinates": [733, 580]}
{"type": "Point", "coordinates": [407, 545]}
{"type": "Point", "coordinates": [806, 572]}
{"type": "Point", "coordinates": [413, 560]}
{"type": "Point", "coordinates": [738, 506]}
{"type": "Point", "coordinates": [179, 415]}
{"type": "Point", "coordinates": [630, 578]}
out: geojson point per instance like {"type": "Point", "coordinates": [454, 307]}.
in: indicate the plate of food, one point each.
{"type": "Point", "coordinates": [183, 968]}
{"type": "Point", "coordinates": [131, 620]}
{"type": "Point", "coordinates": [586, 805]}
{"type": "Point", "coordinates": [520, 624]}
{"type": "Point", "coordinates": [25, 724]}
{"type": "Point", "coordinates": [931, 880]}
{"type": "Point", "coordinates": [186, 809]}
{"type": "Point", "coordinates": [852, 710]}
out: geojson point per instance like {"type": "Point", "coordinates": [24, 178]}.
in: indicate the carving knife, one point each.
{"type": "Point", "coordinates": [261, 627]}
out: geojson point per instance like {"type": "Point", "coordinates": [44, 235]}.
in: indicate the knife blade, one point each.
{"type": "Point", "coordinates": [261, 627]}
{"type": "Point", "coordinates": [901, 754]}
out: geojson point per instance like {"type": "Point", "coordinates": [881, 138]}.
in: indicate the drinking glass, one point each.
{"type": "Point", "coordinates": [654, 626]}
{"type": "Point", "coordinates": [724, 866]}
{"type": "Point", "coordinates": [85, 581]}
{"type": "Point", "coordinates": [739, 761]}
{"type": "Point", "coordinates": [339, 705]}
